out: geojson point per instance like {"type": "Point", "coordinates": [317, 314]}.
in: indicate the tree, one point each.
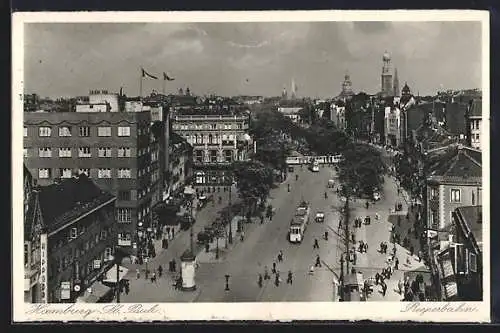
{"type": "Point", "coordinates": [254, 181]}
{"type": "Point", "coordinates": [361, 169]}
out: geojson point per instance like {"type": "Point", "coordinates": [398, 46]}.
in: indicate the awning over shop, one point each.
{"type": "Point", "coordinates": [94, 293]}
{"type": "Point", "coordinates": [111, 274]}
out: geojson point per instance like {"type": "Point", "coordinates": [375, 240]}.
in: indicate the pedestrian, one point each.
{"type": "Point", "coordinates": [384, 289]}
{"type": "Point", "coordinates": [173, 265]}
{"type": "Point", "coordinates": [318, 261]}
{"type": "Point", "coordinates": [353, 238]}
{"type": "Point", "coordinates": [419, 256]}
{"type": "Point", "coordinates": [411, 251]}
{"type": "Point", "coordinates": [396, 264]}
{"type": "Point", "coordinates": [153, 277]}
{"type": "Point", "coordinates": [277, 279]}
{"type": "Point", "coordinates": [242, 236]}
{"type": "Point", "coordinates": [326, 235]}
{"type": "Point", "coordinates": [274, 268]}
{"type": "Point", "coordinates": [266, 273]}
{"type": "Point", "coordinates": [377, 278]}
{"type": "Point", "coordinates": [367, 204]}
{"type": "Point", "coordinates": [137, 273]}
{"type": "Point", "coordinates": [261, 219]}
{"type": "Point", "coordinates": [281, 255]}
{"type": "Point", "coordinates": [259, 282]}
{"type": "Point", "coordinates": [381, 247]}
{"type": "Point", "coordinates": [316, 244]}
{"type": "Point", "coordinates": [289, 279]}
{"type": "Point", "coordinates": [400, 286]}
{"type": "Point", "coordinates": [160, 270]}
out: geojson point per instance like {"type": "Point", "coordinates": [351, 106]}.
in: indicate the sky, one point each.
{"type": "Point", "coordinates": [69, 59]}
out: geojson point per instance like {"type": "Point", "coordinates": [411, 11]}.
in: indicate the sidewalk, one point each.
{"type": "Point", "coordinates": [379, 231]}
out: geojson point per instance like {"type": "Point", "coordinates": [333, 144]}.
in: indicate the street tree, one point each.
{"type": "Point", "coordinates": [254, 181]}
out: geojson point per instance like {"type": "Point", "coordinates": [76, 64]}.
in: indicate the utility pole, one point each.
{"type": "Point", "coordinates": [230, 212]}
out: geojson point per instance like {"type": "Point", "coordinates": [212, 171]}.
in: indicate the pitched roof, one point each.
{"type": "Point", "coordinates": [73, 197]}
{"type": "Point", "coordinates": [473, 218]}
{"type": "Point", "coordinates": [476, 108]}
{"type": "Point", "coordinates": [458, 162]}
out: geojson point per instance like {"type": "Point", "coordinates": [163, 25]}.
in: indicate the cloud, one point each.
{"type": "Point", "coordinates": [70, 59]}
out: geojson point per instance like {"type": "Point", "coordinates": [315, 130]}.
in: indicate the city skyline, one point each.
{"type": "Point", "coordinates": [250, 58]}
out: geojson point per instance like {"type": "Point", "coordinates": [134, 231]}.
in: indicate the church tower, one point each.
{"type": "Point", "coordinates": [386, 75]}
{"type": "Point", "coordinates": [284, 94]}
{"type": "Point", "coordinates": [346, 91]}
{"type": "Point", "coordinates": [395, 88]}
{"type": "Point", "coordinates": [294, 89]}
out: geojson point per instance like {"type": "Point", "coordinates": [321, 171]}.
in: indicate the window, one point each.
{"type": "Point", "coordinates": [108, 254]}
{"type": "Point", "coordinates": [65, 131]}
{"type": "Point", "coordinates": [473, 198]}
{"type": "Point", "coordinates": [44, 173]}
{"type": "Point", "coordinates": [85, 171]}
{"type": "Point", "coordinates": [104, 234]}
{"type": "Point", "coordinates": [64, 152]}
{"type": "Point", "coordinates": [25, 152]}
{"type": "Point", "coordinates": [473, 262]}
{"type": "Point", "coordinates": [124, 239]}
{"type": "Point", "coordinates": [123, 152]}
{"type": "Point", "coordinates": [455, 195]}
{"type": "Point", "coordinates": [434, 193]}
{"type": "Point", "coordinates": [104, 152]}
{"type": "Point", "coordinates": [124, 195]}
{"type": "Point", "coordinates": [65, 173]}
{"type": "Point", "coordinates": [228, 155]}
{"type": "Point", "coordinates": [124, 173]}
{"type": "Point", "coordinates": [44, 131]}
{"type": "Point", "coordinates": [84, 131]}
{"type": "Point", "coordinates": [45, 152]}
{"type": "Point", "coordinates": [104, 173]}
{"type": "Point", "coordinates": [84, 152]}
{"type": "Point", "coordinates": [213, 156]}
{"type": "Point", "coordinates": [104, 131]}
{"type": "Point", "coordinates": [25, 132]}
{"type": "Point", "coordinates": [124, 131]}
{"type": "Point", "coordinates": [434, 219]}
{"type": "Point", "coordinates": [73, 233]}
{"type": "Point", "coordinates": [124, 215]}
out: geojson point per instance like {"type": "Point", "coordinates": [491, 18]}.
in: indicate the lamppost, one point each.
{"type": "Point", "coordinates": [118, 257]}
{"type": "Point", "coordinates": [189, 193]}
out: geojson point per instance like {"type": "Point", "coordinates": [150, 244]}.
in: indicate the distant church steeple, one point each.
{"type": "Point", "coordinates": [395, 88]}
{"type": "Point", "coordinates": [386, 75]}
{"type": "Point", "coordinates": [284, 94]}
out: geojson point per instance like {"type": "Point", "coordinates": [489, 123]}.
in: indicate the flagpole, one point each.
{"type": "Point", "coordinates": [140, 86]}
{"type": "Point", "coordinates": [163, 87]}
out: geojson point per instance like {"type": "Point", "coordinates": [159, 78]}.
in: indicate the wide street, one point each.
{"type": "Point", "coordinates": [261, 245]}
{"type": "Point", "coordinates": [245, 260]}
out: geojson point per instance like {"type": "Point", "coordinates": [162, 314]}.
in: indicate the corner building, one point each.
{"type": "Point", "coordinates": [217, 141]}
{"type": "Point", "coordinates": [112, 148]}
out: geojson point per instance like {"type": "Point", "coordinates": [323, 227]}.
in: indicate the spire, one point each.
{"type": "Point", "coordinates": [396, 83]}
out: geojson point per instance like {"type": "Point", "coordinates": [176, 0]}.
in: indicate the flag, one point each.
{"type": "Point", "coordinates": [166, 77]}
{"type": "Point", "coordinates": [146, 74]}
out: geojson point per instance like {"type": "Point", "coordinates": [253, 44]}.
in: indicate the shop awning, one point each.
{"type": "Point", "coordinates": [94, 293]}
{"type": "Point", "coordinates": [111, 274]}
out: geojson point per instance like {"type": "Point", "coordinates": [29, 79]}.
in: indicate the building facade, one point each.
{"type": "Point", "coordinates": [70, 235]}
{"type": "Point", "coordinates": [473, 121]}
{"type": "Point", "coordinates": [217, 141]}
{"type": "Point", "coordinates": [455, 182]}
{"type": "Point", "coordinates": [338, 116]}
{"type": "Point", "coordinates": [112, 148]}
{"type": "Point", "coordinates": [392, 126]}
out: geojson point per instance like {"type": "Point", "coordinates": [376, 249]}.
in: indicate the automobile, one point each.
{"type": "Point", "coordinates": [331, 183]}
{"type": "Point", "coordinates": [203, 237]}
{"type": "Point", "coordinates": [376, 196]}
{"type": "Point", "coordinates": [186, 221]}
{"type": "Point", "coordinates": [320, 217]}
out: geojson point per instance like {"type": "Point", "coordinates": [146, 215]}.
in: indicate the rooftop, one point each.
{"type": "Point", "coordinates": [473, 218]}
{"type": "Point", "coordinates": [457, 162]}
{"type": "Point", "coordinates": [476, 108]}
{"type": "Point", "coordinates": [69, 199]}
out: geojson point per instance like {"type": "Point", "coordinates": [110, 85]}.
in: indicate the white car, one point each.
{"type": "Point", "coordinates": [320, 217]}
{"type": "Point", "coordinates": [376, 196]}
